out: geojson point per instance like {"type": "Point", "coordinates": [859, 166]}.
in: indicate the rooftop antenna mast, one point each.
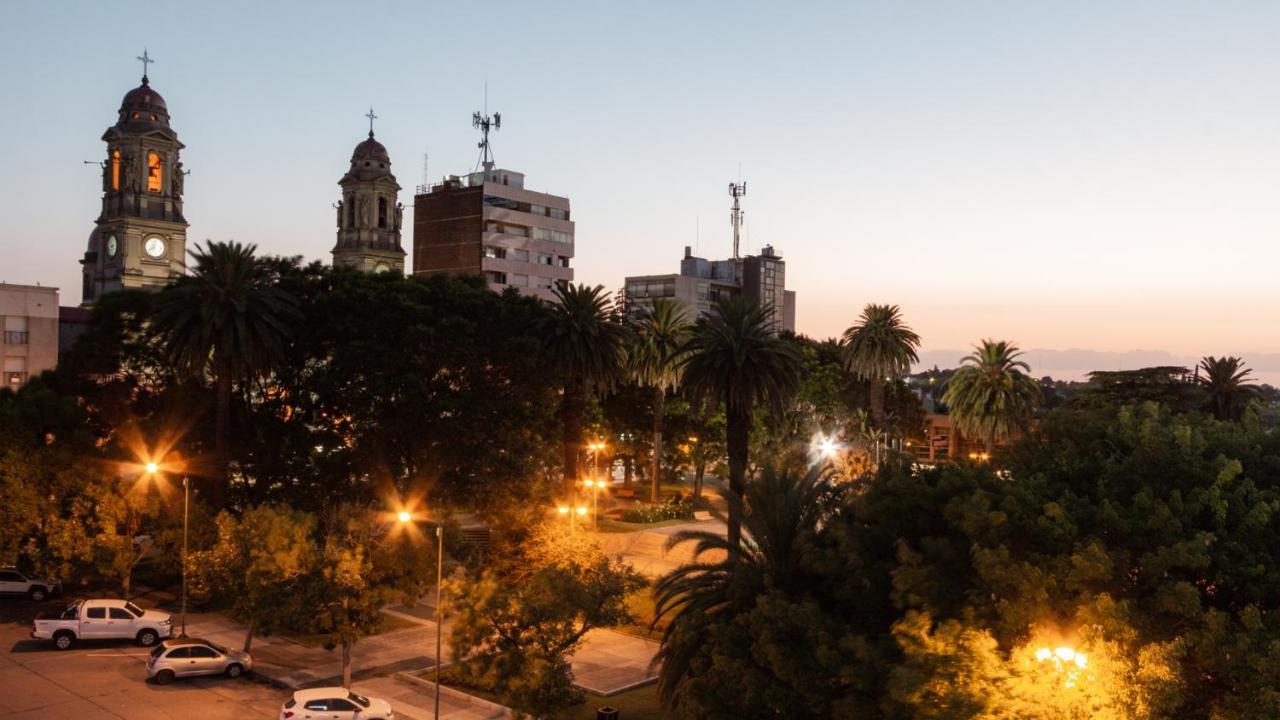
{"type": "Point", "coordinates": [736, 190]}
{"type": "Point", "coordinates": [485, 123]}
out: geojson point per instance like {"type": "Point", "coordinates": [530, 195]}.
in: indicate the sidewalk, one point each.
{"type": "Point", "coordinates": [295, 665]}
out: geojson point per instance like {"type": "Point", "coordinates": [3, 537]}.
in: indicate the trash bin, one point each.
{"type": "Point", "coordinates": [606, 713]}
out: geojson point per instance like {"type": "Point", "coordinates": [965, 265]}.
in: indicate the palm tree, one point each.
{"type": "Point", "coordinates": [991, 395]}
{"type": "Point", "coordinates": [879, 347]}
{"type": "Point", "coordinates": [227, 320]}
{"type": "Point", "coordinates": [780, 511]}
{"type": "Point", "coordinates": [734, 359]}
{"type": "Point", "coordinates": [1230, 389]}
{"type": "Point", "coordinates": [657, 362]}
{"type": "Point", "coordinates": [587, 345]}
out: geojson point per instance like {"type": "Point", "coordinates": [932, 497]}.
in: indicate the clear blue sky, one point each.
{"type": "Point", "coordinates": [1066, 175]}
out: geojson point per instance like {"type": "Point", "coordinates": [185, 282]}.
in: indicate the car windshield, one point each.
{"type": "Point", "coordinates": [159, 649]}
{"type": "Point", "coordinates": [133, 609]}
{"type": "Point", "coordinates": [360, 700]}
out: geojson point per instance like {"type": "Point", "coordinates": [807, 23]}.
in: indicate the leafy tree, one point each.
{"type": "Point", "coordinates": [1227, 382]}
{"type": "Point", "coordinates": [258, 566]}
{"type": "Point", "coordinates": [656, 361]}
{"type": "Point", "coordinates": [107, 523]}
{"type": "Point", "coordinates": [365, 565]}
{"type": "Point", "coordinates": [735, 361]}
{"type": "Point", "coordinates": [705, 600]}
{"type": "Point", "coordinates": [517, 624]}
{"type": "Point", "coordinates": [227, 319]}
{"type": "Point", "coordinates": [991, 396]}
{"type": "Point", "coordinates": [1171, 386]}
{"type": "Point", "coordinates": [878, 348]}
{"type": "Point", "coordinates": [586, 344]}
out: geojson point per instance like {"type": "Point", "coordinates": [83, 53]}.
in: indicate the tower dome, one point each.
{"type": "Point", "coordinates": [144, 105]}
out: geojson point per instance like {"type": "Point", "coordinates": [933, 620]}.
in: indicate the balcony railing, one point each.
{"type": "Point", "coordinates": [15, 337]}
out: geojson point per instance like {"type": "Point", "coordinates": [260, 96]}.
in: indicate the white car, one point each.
{"type": "Point", "coordinates": [13, 582]}
{"type": "Point", "coordinates": [103, 620]}
{"type": "Point", "coordinates": [334, 703]}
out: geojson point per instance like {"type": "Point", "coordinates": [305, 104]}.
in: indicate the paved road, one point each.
{"type": "Point", "coordinates": [108, 681]}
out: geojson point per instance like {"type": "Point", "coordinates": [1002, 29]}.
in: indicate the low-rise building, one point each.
{"type": "Point", "coordinates": [701, 283]}
{"type": "Point", "coordinates": [29, 346]}
{"type": "Point", "coordinates": [487, 222]}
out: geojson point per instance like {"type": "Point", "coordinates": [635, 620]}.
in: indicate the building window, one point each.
{"type": "Point", "coordinates": [544, 259]}
{"type": "Point", "coordinates": [15, 331]}
{"type": "Point", "coordinates": [563, 261]}
{"type": "Point", "coordinates": [115, 169]}
{"type": "Point", "coordinates": [520, 255]}
{"type": "Point", "coordinates": [382, 213]}
{"type": "Point", "coordinates": [559, 214]}
{"type": "Point", "coordinates": [155, 171]}
{"type": "Point", "coordinates": [495, 252]}
{"type": "Point", "coordinates": [552, 235]}
{"type": "Point", "coordinates": [519, 280]}
{"type": "Point", "coordinates": [537, 210]}
{"type": "Point", "coordinates": [496, 278]}
{"type": "Point", "coordinates": [517, 230]}
{"type": "Point", "coordinates": [543, 283]}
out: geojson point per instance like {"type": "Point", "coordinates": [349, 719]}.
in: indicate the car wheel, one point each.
{"type": "Point", "coordinates": [38, 594]}
{"type": "Point", "coordinates": [235, 670]}
{"type": "Point", "coordinates": [164, 677]}
{"type": "Point", "coordinates": [64, 640]}
{"type": "Point", "coordinates": [147, 638]}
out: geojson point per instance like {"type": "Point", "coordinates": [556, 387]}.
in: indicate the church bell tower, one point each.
{"type": "Point", "coordinates": [369, 215]}
{"type": "Point", "coordinates": [141, 236]}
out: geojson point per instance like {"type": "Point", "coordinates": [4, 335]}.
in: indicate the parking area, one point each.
{"type": "Point", "coordinates": [97, 681]}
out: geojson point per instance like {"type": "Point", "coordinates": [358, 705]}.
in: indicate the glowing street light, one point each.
{"type": "Point", "coordinates": [152, 468]}
{"type": "Point", "coordinates": [595, 486]}
{"type": "Point", "coordinates": [825, 446]}
{"type": "Point", "coordinates": [405, 517]}
{"type": "Point", "coordinates": [1066, 661]}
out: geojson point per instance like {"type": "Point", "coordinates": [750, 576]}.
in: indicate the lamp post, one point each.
{"type": "Point", "coordinates": [406, 517]}
{"type": "Point", "coordinates": [153, 469]}
{"type": "Point", "coordinates": [573, 513]}
{"type": "Point", "coordinates": [595, 486]}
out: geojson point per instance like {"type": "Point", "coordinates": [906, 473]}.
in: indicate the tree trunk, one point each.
{"type": "Point", "coordinates": [626, 470]}
{"type": "Point", "coordinates": [659, 406]}
{"type": "Point", "coordinates": [248, 634]}
{"type": "Point", "coordinates": [221, 430]}
{"type": "Point", "coordinates": [989, 441]}
{"type": "Point", "coordinates": [573, 406]}
{"type": "Point", "coordinates": [877, 402]}
{"type": "Point", "coordinates": [346, 664]}
{"type": "Point", "coordinates": [699, 472]}
{"type": "Point", "coordinates": [738, 435]}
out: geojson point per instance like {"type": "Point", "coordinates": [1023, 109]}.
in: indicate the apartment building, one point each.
{"type": "Point", "coordinates": [701, 283]}
{"type": "Point", "coordinates": [29, 346]}
{"type": "Point", "coordinates": [489, 223]}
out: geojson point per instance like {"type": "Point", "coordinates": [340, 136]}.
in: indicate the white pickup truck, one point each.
{"type": "Point", "coordinates": [13, 582]}
{"type": "Point", "coordinates": [103, 620]}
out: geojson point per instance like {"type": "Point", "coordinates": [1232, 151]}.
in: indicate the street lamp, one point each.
{"type": "Point", "coordinates": [595, 486]}
{"type": "Point", "coordinates": [405, 517]}
{"type": "Point", "coordinates": [153, 469]}
{"type": "Point", "coordinates": [573, 513]}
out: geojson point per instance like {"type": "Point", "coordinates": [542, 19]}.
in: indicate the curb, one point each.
{"type": "Point", "coordinates": [446, 691]}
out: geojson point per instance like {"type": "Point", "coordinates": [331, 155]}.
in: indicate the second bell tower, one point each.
{"type": "Point", "coordinates": [369, 214]}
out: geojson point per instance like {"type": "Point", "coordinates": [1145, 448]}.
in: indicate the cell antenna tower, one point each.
{"type": "Point", "coordinates": [485, 123]}
{"type": "Point", "coordinates": [736, 190]}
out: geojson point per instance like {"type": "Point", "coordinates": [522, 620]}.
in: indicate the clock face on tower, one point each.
{"type": "Point", "coordinates": [112, 246]}
{"type": "Point", "coordinates": [154, 247]}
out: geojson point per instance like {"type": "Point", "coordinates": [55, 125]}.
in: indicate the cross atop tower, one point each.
{"type": "Point", "coordinates": [145, 60]}
{"type": "Point", "coordinates": [371, 117]}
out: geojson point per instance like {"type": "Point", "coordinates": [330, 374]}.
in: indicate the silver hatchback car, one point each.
{"type": "Point", "coordinates": [183, 657]}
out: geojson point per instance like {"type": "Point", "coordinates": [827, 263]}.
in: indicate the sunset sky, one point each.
{"type": "Point", "coordinates": [1085, 176]}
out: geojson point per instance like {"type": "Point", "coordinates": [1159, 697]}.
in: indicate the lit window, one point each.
{"type": "Point", "coordinates": [155, 171]}
{"type": "Point", "coordinates": [115, 169]}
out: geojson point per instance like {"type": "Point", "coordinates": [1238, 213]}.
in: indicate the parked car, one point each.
{"type": "Point", "coordinates": [184, 657]}
{"type": "Point", "coordinates": [13, 582]}
{"type": "Point", "coordinates": [103, 620]}
{"type": "Point", "coordinates": [335, 703]}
